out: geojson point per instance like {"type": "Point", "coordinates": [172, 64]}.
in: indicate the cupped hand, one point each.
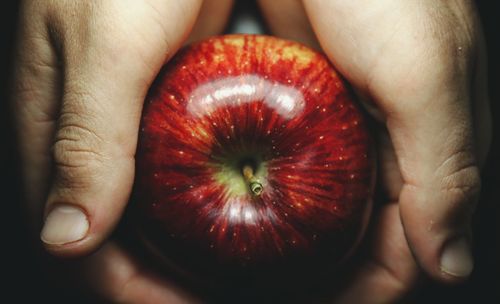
{"type": "Point", "coordinates": [82, 71]}
{"type": "Point", "coordinates": [419, 68]}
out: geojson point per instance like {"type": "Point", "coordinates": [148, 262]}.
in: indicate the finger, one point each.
{"type": "Point", "coordinates": [212, 19]}
{"type": "Point", "coordinates": [419, 77]}
{"type": "Point", "coordinates": [35, 95]}
{"type": "Point", "coordinates": [390, 272]}
{"type": "Point", "coordinates": [116, 277]}
{"type": "Point", "coordinates": [109, 65]}
{"type": "Point", "coordinates": [287, 19]}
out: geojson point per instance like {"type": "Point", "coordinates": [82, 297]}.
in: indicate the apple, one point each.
{"type": "Point", "coordinates": [253, 161]}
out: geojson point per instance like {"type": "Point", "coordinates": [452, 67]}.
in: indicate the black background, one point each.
{"type": "Point", "coordinates": [25, 281]}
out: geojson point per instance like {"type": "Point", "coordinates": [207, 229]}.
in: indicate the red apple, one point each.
{"type": "Point", "coordinates": [253, 159]}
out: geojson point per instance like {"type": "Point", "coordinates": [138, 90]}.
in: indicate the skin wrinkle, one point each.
{"type": "Point", "coordinates": [73, 119]}
{"type": "Point", "coordinates": [83, 108]}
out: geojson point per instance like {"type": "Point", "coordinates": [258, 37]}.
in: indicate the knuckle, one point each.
{"type": "Point", "coordinates": [461, 179]}
{"type": "Point", "coordinates": [464, 184]}
{"type": "Point", "coordinates": [76, 151]}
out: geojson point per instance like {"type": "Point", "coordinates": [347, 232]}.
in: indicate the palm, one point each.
{"type": "Point", "coordinates": [113, 272]}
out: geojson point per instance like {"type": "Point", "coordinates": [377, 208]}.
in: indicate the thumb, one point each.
{"type": "Point", "coordinates": [439, 154]}
{"type": "Point", "coordinates": [420, 77]}
{"type": "Point", "coordinates": [108, 68]}
{"type": "Point", "coordinates": [436, 155]}
{"type": "Point", "coordinates": [441, 149]}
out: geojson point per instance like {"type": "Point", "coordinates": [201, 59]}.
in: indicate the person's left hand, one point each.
{"type": "Point", "coordinates": [420, 68]}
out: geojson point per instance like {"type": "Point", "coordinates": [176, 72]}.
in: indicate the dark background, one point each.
{"type": "Point", "coordinates": [23, 276]}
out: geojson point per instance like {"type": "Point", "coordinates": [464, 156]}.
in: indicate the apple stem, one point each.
{"type": "Point", "coordinates": [254, 185]}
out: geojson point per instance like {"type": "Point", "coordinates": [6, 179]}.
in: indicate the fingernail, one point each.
{"type": "Point", "coordinates": [64, 224]}
{"type": "Point", "coordinates": [456, 259]}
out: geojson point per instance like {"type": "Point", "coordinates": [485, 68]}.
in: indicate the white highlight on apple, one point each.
{"type": "Point", "coordinates": [239, 212]}
{"type": "Point", "coordinates": [236, 90]}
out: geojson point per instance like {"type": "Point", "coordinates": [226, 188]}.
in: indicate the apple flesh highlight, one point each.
{"type": "Point", "coordinates": [253, 159]}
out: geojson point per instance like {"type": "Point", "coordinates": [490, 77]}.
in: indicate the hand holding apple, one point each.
{"type": "Point", "coordinates": [81, 71]}
{"type": "Point", "coordinates": [425, 76]}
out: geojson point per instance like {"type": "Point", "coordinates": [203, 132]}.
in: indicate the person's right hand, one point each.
{"type": "Point", "coordinates": [81, 73]}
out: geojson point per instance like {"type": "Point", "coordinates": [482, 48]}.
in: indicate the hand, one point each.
{"type": "Point", "coordinates": [420, 67]}
{"type": "Point", "coordinates": [81, 74]}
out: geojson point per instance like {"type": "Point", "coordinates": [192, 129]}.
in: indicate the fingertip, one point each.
{"type": "Point", "coordinates": [64, 224]}
{"type": "Point", "coordinates": [66, 231]}
{"type": "Point", "coordinates": [445, 255]}
{"type": "Point", "coordinates": [456, 262]}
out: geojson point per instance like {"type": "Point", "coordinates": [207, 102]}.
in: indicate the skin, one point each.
{"type": "Point", "coordinates": [418, 66]}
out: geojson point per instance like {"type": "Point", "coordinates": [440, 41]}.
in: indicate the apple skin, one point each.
{"type": "Point", "coordinates": [280, 107]}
